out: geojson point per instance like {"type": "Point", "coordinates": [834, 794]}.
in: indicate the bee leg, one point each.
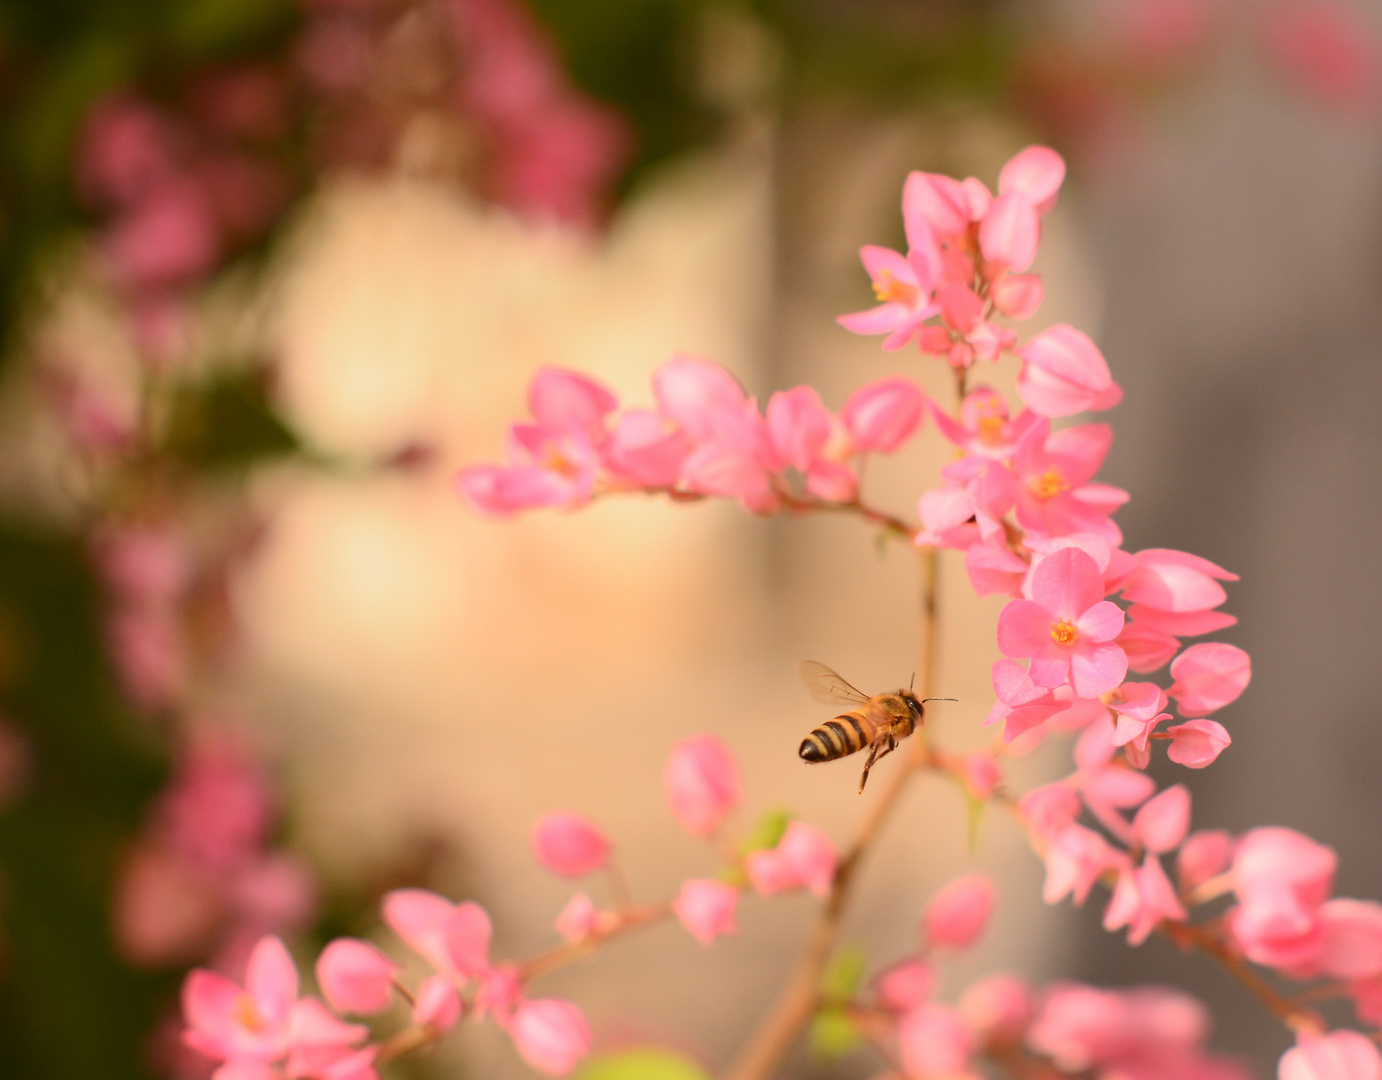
{"type": "Point", "coordinates": [873, 756]}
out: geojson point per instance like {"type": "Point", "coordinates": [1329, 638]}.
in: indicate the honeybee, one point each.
{"type": "Point", "coordinates": [880, 722]}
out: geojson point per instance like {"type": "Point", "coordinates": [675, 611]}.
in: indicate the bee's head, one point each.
{"type": "Point", "coordinates": [913, 704]}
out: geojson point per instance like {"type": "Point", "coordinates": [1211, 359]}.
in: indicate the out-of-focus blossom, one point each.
{"type": "Point", "coordinates": [438, 1006]}
{"type": "Point", "coordinates": [229, 1023]}
{"type": "Point", "coordinates": [1063, 373]}
{"type": "Point", "coordinates": [904, 985]}
{"type": "Point", "coordinates": [935, 1041]}
{"type": "Point", "coordinates": [959, 913]}
{"type": "Point", "coordinates": [1205, 854]}
{"type": "Point", "coordinates": [1163, 821]}
{"type": "Point", "coordinates": [1141, 899]}
{"type": "Point", "coordinates": [550, 1034]}
{"type": "Point", "coordinates": [702, 783]}
{"type": "Point", "coordinates": [1197, 743]}
{"type": "Point", "coordinates": [997, 1008]}
{"type": "Point", "coordinates": [569, 844]}
{"type": "Point", "coordinates": [453, 938]}
{"type": "Point", "coordinates": [1337, 1055]}
{"type": "Point", "coordinates": [804, 858]}
{"type": "Point", "coordinates": [1326, 47]}
{"type": "Point", "coordinates": [706, 908]}
{"type": "Point", "coordinates": [355, 977]}
{"type": "Point", "coordinates": [882, 415]}
{"type": "Point", "coordinates": [1281, 877]}
{"type": "Point", "coordinates": [579, 918]}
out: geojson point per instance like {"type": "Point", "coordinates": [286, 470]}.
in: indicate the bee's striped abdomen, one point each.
{"type": "Point", "coordinates": [834, 739]}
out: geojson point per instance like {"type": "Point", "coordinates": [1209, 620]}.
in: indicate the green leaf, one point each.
{"type": "Point", "coordinates": [647, 1064]}
{"type": "Point", "coordinates": [833, 1033]}
{"type": "Point", "coordinates": [767, 832]}
{"type": "Point", "coordinates": [844, 973]}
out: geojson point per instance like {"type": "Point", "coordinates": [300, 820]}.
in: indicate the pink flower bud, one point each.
{"type": "Point", "coordinates": [769, 873]}
{"type": "Point", "coordinates": [1049, 809]}
{"type": "Point", "coordinates": [467, 933]}
{"type": "Point", "coordinates": [578, 918]}
{"type": "Point", "coordinates": [959, 912]}
{"type": "Point", "coordinates": [550, 1034]}
{"type": "Point", "coordinates": [1204, 855]}
{"type": "Point", "coordinates": [905, 985]}
{"type": "Point", "coordinates": [937, 201]}
{"type": "Point", "coordinates": [1209, 676]}
{"type": "Point", "coordinates": [419, 917]}
{"type": "Point", "coordinates": [355, 977]}
{"type": "Point", "coordinates": [935, 1041]}
{"type": "Point", "coordinates": [810, 856]}
{"type": "Point", "coordinates": [438, 1005]}
{"type": "Point", "coordinates": [998, 1008]}
{"type": "Point", "coordinates": [1340, 1055]}
{"type": "Point", "coordinates": [1010, 232]}
{"type": "Point", "coordinates": [1163, 821]}
{"type": "Point", "coordinates": [1196, 743]}
{"type": "Point", "coordinates": [702, 782]}
{"type": "Point", "coordinates": [961, 307]}
{"type": "Point", "coordinates": [1271, 859]}
{"type": "Point", "coordinates": [1352, 946]}
{"type": "Point", "coordinates": [883, 414]}
{"type": "Point", "coordinates": [569, 401]}
{"type": "Point", "coordinates": [696, 393]}
{"type": "Point", "coordinates": [1018, 295]}
{"type": "Point", "coordinates": [568, 844]}
{"type": "Point", "coordinates": [706, 908]}
{"type": "Point", "coordinates": [1064, 373]}
{"type": "Point", "coordinates": [798, 425]}
{"type": "Point", "coordinates": [500, 992]}
{"type": "Point", "coordinates": [981, 773]}
{"type": "Point", "coordinates": [1175, 581]}
{"type": "Point", "coordinates": [1037, 172]}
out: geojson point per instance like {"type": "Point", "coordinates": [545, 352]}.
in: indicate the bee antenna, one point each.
{"type": "Point", "coordinates": [913, 684]}
{"type": "Point", "coordinates": [954, 699]}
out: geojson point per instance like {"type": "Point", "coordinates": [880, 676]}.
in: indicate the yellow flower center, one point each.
{"type": "Point", "coordinates": [1064, 633]}
{"type": "Point", "coordinates": [990, 430]}
{"type": "Point", "coordinates": [1049, 484]}
{"type": "Point", "coordinates": [555, 460]}
{"type": "Point", "coordinates": [247, 1015]}
{"type": "Point", "coordinates": [889, 290]}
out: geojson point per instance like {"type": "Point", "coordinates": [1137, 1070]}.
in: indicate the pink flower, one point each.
{"type": "Point", "coordinates": [883, 414]}
{"type": "Point", "coordinates": [1209, 676]}
{"type": "Point", "coordinates": [903, 286]}
{"type": "Point", "coordinates": [1141, 900]}
{"type": "Point", "coordinates": [702, 783]}
{"type": "Point", "coordinates": [1281, 877]}
{"type": "Point", "coordinates": [1017, 295]}
{"type": "Point", "coordinates": [169, 237]}
{"type": "Point", "coordinates": [580, 918]}
{"type": "Point", "coordinates": [905, 985]}
{"type": "Point", "coordinates": [550, 1034]}
{"type": "Point", "coordinates": [798, 426]}
{"type": "Point", "coordinates": [646, 449]}
{"type": "Point", "coordinates": [1197, 743]}
{"type": "Point", "coordinates": [1142, 1031]}
{"type": "Point", "coordinates": [706, 908]}
{"type": "Point", "coordinates": [981, 773]}
{"type": "Point", "coordinates": [935, 1041]}
{"type": "Point", "coordinates": [1339, 1055]}
{"type": "Point", "coordinates": [1048, 810]}
{"type": "Point", "coordinates": [1164, 820]}
{"type": "Point", "coordinates": [1204, 855]}
{"type": "Point", "coordinates": [1067, 628]}
{"type": "Point", "coordinates": [997, 1009]}
{"type": "Point", "coordinates": [321, 1045]}
{"type": "Point", "coordinates": [1138, 711]}
{"type": "Point", "coordinates": [355, 977]}
{"type": "Point", "coordinates": [959, 913]}
{"type": "Point", "coordinates": [1175, 581]}
{"type": "Point", "coordinates": [1352, 947]}
{"type": "Point", "coordinates": [230, 1024]}
{"type": "Point", "coordinates": [569, 844]}
{"type": "Point", "coordinates": [984, 428]}
{"type": "Point", "coordinates": [1010, 232]}
{"type": "Point", "coordinates": [453, 938]}
{"type": "Point", "coordinates": [1063, 373]}
{"type": "Point", "coordinates": [1054, 496]}
{"type": "Point", "coordinates": [1327, 49]}
{"type": "Point", "coordinates": [552, 462]}
{"type": "Point", "coordinates": [1076, 857]}
{"type": "Point", "coordinates": [1037, 172]}
{"type": "Point", "coordinates": [438, 1005]}
{"type": "Point", "coordinates": [932, 201]}
{"type": "Point", "coordinates": [804, 858]}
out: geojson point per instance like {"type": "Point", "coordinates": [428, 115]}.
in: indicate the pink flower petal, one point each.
{"type": "Point", "coordinates": [1010, 232]}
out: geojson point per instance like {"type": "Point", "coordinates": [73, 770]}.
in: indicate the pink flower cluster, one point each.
{"type": "Point", "coordinates": [203, 879]}
{"type": "Point", "coordinates": [705, 436]}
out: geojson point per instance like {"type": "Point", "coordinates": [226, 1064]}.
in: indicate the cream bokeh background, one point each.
{"type": "Point", "coordinates": [416, 669]}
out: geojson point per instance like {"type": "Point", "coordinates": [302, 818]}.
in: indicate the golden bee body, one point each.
{"type": "Point", "coordinates": [879, 723]}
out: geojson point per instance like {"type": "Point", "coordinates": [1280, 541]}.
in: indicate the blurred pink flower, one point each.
{"type": "Point", "coordinates": [438, 1005]}
{"type": "Point", "coordinates": [984, 428]}
{"type": "Point", "coordinates": [935, 1041]}
{"type": "Point", "coordinates": [904, 286]}
{"type": "Point", "coordinates": [958, 914]}
{"type": "Point", "coordinates": [702, 783]}
{"type": "Point", "coordinates": [997, 1008]}
{"type": "Point", "coordinates": [569, 844]}
{"type": "Point", "coordinates": [1063, 373]}
{"type": "Point", "coordinates": [1328, 49]}
{"type": "Point", "coordinates": [231, 1024]}
{"type": "Point", "coordinates": [1162, 822]}
{"type": "Point", "coordinates": [355, 977]}
{"type": "Point", "coordinates": [905, 985]}
{"type": "Point", "coordinates": [883, 414]}
{"type": "Point", "coordinates": [706, 908]}
{"type": "Point", "coordinates": [1205, 854]}
{"type": "Point", "coordinates": [453, 938]}
{"type": "Point", "coordinates": [804, 858]}
{"type": "Point", "coordinates": [1337, 1055]}
{"type": "Point", "coordinates": [550, 1034]}
{"type": "Point", "coordinates": [1141, 899]}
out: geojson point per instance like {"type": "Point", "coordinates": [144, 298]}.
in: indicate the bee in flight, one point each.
{"type": "Point", "coordinates": [880, 722]}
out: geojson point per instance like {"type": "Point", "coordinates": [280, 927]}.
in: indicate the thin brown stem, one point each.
{"type": "Point", "coordinates": [793, 1008]}
{"type": "Point", "coordinates": [562, 955]}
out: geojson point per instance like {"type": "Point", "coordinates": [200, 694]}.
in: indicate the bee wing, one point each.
{"type": "Point", "coordinates": [828, 686]}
